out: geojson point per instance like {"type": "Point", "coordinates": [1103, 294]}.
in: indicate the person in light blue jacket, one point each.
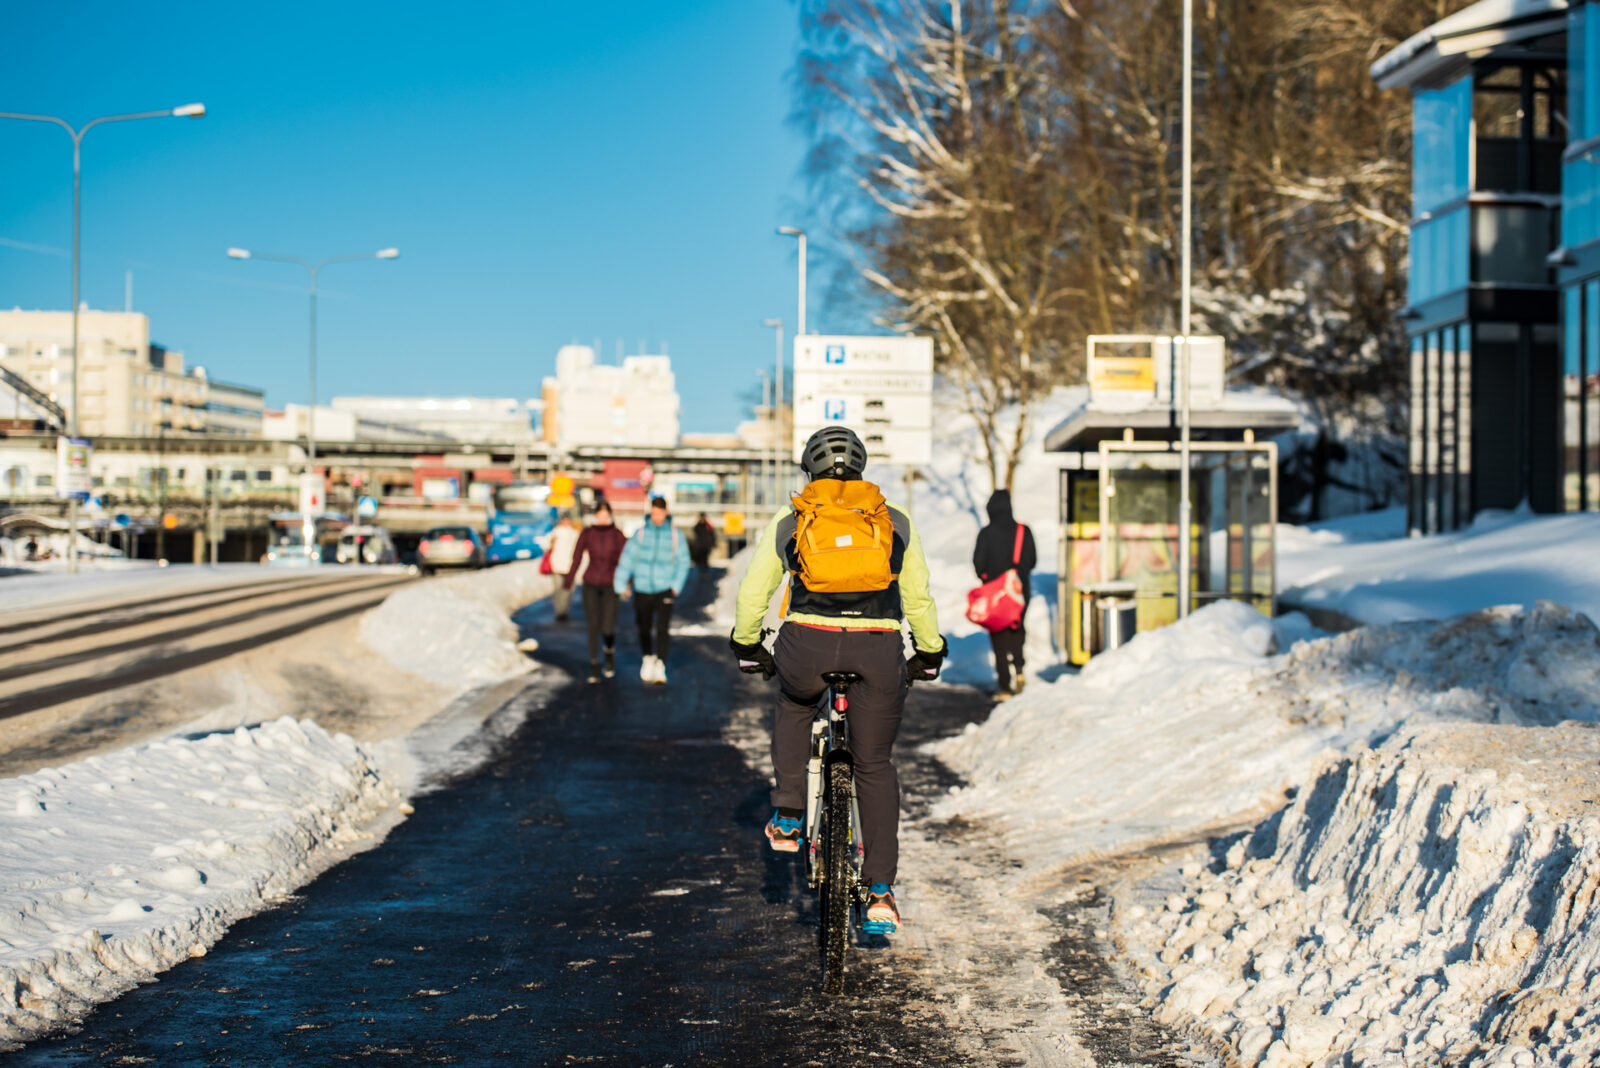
{"type": "Point", "coordinates": [653, 569]}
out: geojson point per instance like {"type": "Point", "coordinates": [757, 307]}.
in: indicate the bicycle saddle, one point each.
{"type": "Point", "coordinates": [840, 678]}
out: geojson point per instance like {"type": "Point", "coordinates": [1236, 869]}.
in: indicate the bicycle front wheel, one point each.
{"type": "Point", "coordinates": [836, 876]}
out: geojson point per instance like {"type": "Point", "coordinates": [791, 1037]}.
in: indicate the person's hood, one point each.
{"type": "Point", "coordinates": [1000, 507]}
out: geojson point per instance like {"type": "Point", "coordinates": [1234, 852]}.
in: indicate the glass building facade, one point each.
{"type": "Point", "coordinates": [1580, 268]}
{"type": "Point", "coordinates": [1485, 310]}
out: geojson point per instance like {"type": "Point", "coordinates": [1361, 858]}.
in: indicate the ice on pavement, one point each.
{"type": "Point", "coordinates": [118, 867]}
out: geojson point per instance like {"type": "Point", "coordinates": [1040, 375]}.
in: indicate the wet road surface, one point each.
{"type": "Point", "coordinates": [600, 893]}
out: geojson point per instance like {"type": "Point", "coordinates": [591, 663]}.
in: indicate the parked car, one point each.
{"type": "Point", "coordinates": [366, 545]}
{"type": "Point", "coordinates": [449, 547]}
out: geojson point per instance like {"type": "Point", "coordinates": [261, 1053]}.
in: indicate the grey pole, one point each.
{"type": "Point", "coordinates": [766, 453]}
{"type": "Point", "coordinates": [192, 111]}
{"type": "Point", "coordinates": [312, 270]}
{"type": "Point", "coordinates": [1185, 504]}
{"type": "Point", "coordinates": [779, 447]}
{"type": "Point", "coordinates": [800, 316]}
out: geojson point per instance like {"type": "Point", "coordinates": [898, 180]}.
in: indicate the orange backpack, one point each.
{"type": "Point", "coordinates": [844, 537]}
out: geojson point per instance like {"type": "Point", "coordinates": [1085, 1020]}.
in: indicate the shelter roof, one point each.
{"type": "Point", "coordinates": [1446, 50]}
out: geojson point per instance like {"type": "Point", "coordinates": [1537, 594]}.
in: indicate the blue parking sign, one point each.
{"type": "Point", "coordinates": [835, 354]}
{"type": "Point", "coordinates": [833, 411]}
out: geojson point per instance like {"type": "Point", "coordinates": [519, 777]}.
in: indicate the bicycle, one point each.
{"type": "Point", "coordinates": [834, 847]}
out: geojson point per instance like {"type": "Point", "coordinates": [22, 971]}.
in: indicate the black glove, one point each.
{"type": "Point", "coordinates": [753, 658]}
{"type": "Point", "coordinates": [924, 667]}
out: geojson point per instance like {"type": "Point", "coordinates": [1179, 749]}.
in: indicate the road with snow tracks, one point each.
{"type": "Point", "coordinates": [598, 893]}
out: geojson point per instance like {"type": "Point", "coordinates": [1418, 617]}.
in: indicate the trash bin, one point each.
{"type": "Point", "coordinates": [1110, 615]}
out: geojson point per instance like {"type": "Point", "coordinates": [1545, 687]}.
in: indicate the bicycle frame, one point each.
{"type": "Point", "coordinates": [830, 744]}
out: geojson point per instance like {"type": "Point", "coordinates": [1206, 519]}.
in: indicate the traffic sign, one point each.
{"type": "Point", "coordinates": [880, 387]}
{"type": "Point", "coordinates": [367, 507]}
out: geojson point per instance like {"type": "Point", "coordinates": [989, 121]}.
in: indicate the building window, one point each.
{"type": "Point", "coordinates": [1442, 132]}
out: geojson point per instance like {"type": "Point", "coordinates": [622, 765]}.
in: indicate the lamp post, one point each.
{"type": "Point", "coordinates": [800, 311]}
{"type": "Point", "coordinates": [766, 402]}
{"type": "Point", "coordinates": [777, 407]}
{"type": "Point", "coordinates": [1185, 502]}
{"type": "Point", "coordinates": [311, 270]}
{"type": "Point", "coordinates": [185, 111]}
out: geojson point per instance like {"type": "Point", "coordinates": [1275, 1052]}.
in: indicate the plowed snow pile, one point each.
{"type": "Point", "coordinates": [458, 631]}
{"type": "Point", "coordinates": [1375, 896]}
{"type": "Point", "coordinates": [118, 867]}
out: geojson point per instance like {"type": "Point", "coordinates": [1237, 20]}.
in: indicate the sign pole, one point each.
{"type": "Point", "coordinates": [1185, 504]}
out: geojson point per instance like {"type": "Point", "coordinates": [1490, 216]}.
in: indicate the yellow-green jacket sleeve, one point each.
{"type": "Point", "coordinates": [758, 585]}
{"type": "Point", "coordinates": [916, 597]}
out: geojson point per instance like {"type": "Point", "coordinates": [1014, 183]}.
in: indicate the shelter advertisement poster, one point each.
{"type": "Point", "coordinates": [72, 468]}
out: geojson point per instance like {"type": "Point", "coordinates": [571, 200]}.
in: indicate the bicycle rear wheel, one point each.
{"type": "Point", "coordinates": [835, 894]}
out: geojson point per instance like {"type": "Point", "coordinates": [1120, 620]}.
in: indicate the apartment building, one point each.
{"type": "Point", "coordinates": [127, 386]}
{"type": "Point", "coordinates": [589, 403]}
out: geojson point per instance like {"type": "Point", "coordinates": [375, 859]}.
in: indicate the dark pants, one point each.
{"type": "Point", "coordinates": [803, 654]}
{"type": "Point", "coordinates": [600, 613]}
{"type": "Point", "coordinates": [1008, 654]}
{"type": "Point", "coordinates": [654, 614]}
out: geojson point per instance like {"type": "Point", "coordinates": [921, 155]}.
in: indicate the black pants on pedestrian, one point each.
{"type": "Point", "coordinates": [803, 654]}
{"type": "Point", "coordinates": [654, 614]}
{"type": "Point", "coordinates": [600, 613]}
{"type": "Point", "coordinates": [1007, 646]}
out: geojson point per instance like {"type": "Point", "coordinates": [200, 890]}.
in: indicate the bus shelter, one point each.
{"type": "Point", "coordinates": [1120, 492]}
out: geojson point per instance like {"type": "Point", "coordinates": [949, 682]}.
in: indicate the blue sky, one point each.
{"type": "Point", "coordinates": [550, 171]}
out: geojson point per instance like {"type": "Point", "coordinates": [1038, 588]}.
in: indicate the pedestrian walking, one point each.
{"type": "Point", "coordinates": [563, 543]}
{"type": "Point", "coordinates": [653, 570]}
{"type": "Point", "coordinates": [701, 542]}
{"type": "Point", "coordinates": [1006, 545]}
{"type": "Point", "coordinates": [595, 555]}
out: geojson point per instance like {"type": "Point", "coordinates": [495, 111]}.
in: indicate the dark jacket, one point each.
{"type": "Point", "coordinates": [703, 539]}
{"type": "Point", "coordinates": [992, 556]}
{"type": "Point", "coordinates": [604, 546]}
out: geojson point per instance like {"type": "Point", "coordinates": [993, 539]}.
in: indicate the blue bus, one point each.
{"type": "Point", "coordinates": [520, 518]}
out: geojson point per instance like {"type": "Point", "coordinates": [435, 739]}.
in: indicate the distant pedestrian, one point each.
{"type": "Point", "coordinates": [653, 570]}
{"type": "Point", "coordinates": [1000, 549]}
{"type": "Point", "coordinates": [563, 543]}
{"type": "Point", "coordinates": [601, 545]}
{"type": "Point", "coordinates": [701, 542]}
{"type": "Point", "coordinates": [32, 547]}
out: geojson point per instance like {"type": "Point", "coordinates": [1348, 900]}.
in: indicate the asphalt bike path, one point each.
{"type": "Point", "coordinates": [599, 893]}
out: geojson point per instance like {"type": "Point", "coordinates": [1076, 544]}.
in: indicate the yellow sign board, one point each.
{"type": "Point", "coordinates": [733, 523]}
{"type": "Point", "coordinates": [1124, 372]}
{"type": "Point", "coordinates": [561, 488]}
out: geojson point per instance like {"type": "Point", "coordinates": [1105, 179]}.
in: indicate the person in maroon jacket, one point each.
{"type": "Point", "coordinates": [602, 543]}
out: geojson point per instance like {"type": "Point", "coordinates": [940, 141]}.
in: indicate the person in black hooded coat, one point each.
{"type": "Point", "coordinates": [992, 557]}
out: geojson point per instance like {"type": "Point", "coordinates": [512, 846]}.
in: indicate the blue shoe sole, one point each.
{"type": "Point", "coordinates": [879, 927]}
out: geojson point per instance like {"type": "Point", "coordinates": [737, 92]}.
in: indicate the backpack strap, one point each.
{"type": "Point", "coordinates": [1016, 551]}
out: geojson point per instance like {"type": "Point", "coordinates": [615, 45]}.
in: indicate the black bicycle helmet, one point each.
{"type": "Point", "coordinates": [833, 452]}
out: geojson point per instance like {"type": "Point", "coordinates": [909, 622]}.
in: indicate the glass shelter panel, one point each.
{"type": "Point", "coordinates": [1234, 493]}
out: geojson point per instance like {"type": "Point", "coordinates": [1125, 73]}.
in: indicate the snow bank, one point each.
{"type": "Point", "coordinates": [458, 631]}
{"type": "Point", "coordinates": [1204, 722]}
{"type": "Point", "coordinates": [1430, 902]}
{"type": "Point", "coordinates": [1398, 905]}
{"type": "Point", "coordinates": [120, 866]}
{"type": "Point", "coordinates": [1500, 559]}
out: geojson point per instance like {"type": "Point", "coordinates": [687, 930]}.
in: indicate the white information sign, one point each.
{"type": "Point", "coordinates": [312, 490]}
{"type": "Point", "coordinates": [880, 387]}
{"type": "Point", "coordinates": [72, 468]}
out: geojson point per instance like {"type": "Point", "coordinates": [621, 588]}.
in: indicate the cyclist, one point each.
{"type": "Point", "coordinates": [856, 573]}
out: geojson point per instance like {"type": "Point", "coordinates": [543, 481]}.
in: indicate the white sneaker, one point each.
{"type": "Point", "coordinates": [661, 672]}
{"type": "Point", "coordinates": [647, 669]}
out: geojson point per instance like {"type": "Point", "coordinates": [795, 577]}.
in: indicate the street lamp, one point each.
{"type": "Point", "coordinates": [791, 231]}
{"type": "Point", "coordinates": [312, 269]}
{"type": "Point", "coordinates": [766, 402]}
{"type": "Point", "coordinates": [185, 111]}
{"type": "Point", "coordinates": [777, 407]}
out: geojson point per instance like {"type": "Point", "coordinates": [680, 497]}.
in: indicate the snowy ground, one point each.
{"type": "Point", "coordinates": [115, 867]}
{"type": "Point", "coordinates": [1364, 568]}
